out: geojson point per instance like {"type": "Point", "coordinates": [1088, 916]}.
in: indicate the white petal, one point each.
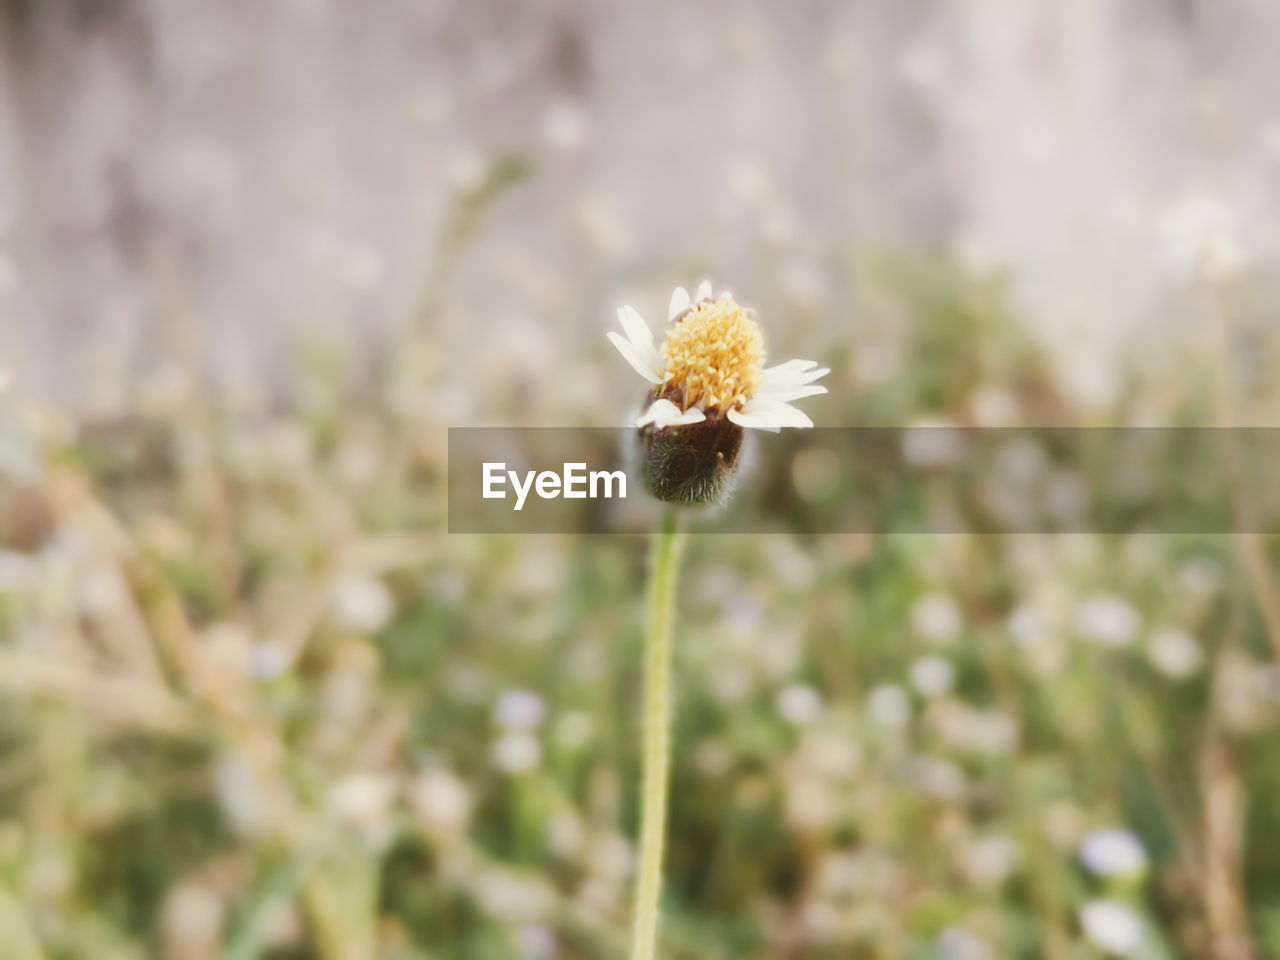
{"type": "Point", "coordinates": [664, 413]}
{"type": "Point", "coordinates": [769, 413]}
{"type": "Point", "coordinates": [637, 330]}
{"type": "Point", "coordinates": [792, 365]}
{"type": "Point", "coordinates": [753, 421]}
{"type": "Point", "coordinates": [787, 394]}
{"type": "Point", "coordinates": [790, 368]}
{"type": "Point", "coordinates": [679, 303]}
{"type": "Point", "coordinates": [756, 421]}
{"type": "Point", "coordinates": [641, 365]}
{"type": "Point", "coordinates": [780, 379]}
{"type": "Point", "coordinates": [704, 290]}
{"type": "Point", "coordinates": [726, 295]}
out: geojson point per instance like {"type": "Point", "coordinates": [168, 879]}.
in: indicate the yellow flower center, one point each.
{"type": "Point", "coordinates": [714, 355]}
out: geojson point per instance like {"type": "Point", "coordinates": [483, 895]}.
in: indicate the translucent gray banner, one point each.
{"type": "Point", "coordinates": [868, 479]}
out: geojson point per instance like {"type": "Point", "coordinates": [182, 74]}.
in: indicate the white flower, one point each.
{"type": "Point", "coordinates": [535, 941]}
{"type": "Point", "coordinates": [442, 801]}
{"type": "Point", "coordinates": [1175, 653]}
{"type": "Point", "coordinates": [798, 704]}
{"type": "Point", "coordinates": [888, 706]}
{"type": "Point", "coordinates": [192, 919]}
{"type": "Point", "coordinates": [363, 802]}
{"type": "Point", "coordinates": [519, 710]}
{"type": "Point", "coordinates": [932, 676]}
{"type": "Point", "coordinates": [268, 660]}
{"type": "Point", "coordinates": [1029, 625]}
{"type": "Point", "coordinates": [361, 604]}
{"type": "Point", "coordinates": [957, 943]}
{"type": "Point", "coordinates": [1107, 620]}
{"type": "Point", "coordinates": [937, 617]}
{"type": "Point", "coordinates": [1112, 852]}
{"type": "Point", "coordinates": [991, 859]}
{"type": "Point", "coordinates": [711, 365]}
{"type": "Point", "coordinates": [516, 753]}
{"type": "Point", "coordinates": [1112, 927]}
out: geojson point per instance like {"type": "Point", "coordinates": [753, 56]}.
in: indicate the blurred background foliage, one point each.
{"type": "Point", "coordinates": [255, 703]}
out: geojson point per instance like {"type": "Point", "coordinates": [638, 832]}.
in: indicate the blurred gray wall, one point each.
{"type": "Point", "coordinates": [216, 182]}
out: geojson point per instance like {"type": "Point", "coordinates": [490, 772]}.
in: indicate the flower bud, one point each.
{"type": "Point", "coordinates": [695, 464]}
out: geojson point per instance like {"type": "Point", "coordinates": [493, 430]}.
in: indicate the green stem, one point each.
{"type": "Point", "coordinates": [663, 567]}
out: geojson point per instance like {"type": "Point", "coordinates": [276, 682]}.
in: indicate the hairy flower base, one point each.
{"type": "Point", "coordinates": [693, 464]}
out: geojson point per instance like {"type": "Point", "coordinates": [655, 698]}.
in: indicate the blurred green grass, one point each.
{"type": "Point", "coordinates": [255, 704]}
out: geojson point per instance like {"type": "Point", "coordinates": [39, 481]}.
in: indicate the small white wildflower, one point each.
{"type": "Point", "coordinates": [1112, 852]}
{"type": "Point", "coordinates": [611, 856]}
{"type": "Point", "coordinates": [798, 704]}
{"type": "Point", "coordinates": [240, 794]}
{"type": "Point", "coordinates": [565, 834]}
{"type": "Point", "coordinates": [442, 801]}
{"type": "Point", "coordinates": [993, 406]}
{"type": "Point", "coordinates": [991, 859]}
{"type": "Point", "coordinates": [839, 874]}
{"type": "Point", "coordinates": [933, 676]}
{"type": "Point", "coordinates": [1175, 653]}
{"type": "Point", "coordinates": [833, 756]}
{"type": "Point", "coordinates": [708, 382]}
{"type": "Point", "coordinates": [192, 919]}
{"type": "Point", "coordinates": [17, 571]}
{"type": "Point", "coordinates": [981, 731]}
{"type": "Point", "coordinates": [821, 921]}
{"type": "Point", "coordinates": [889, 707]}
{"type": "Point", "coordinates": [363, 800]}
{"type": "Point", "coordinates": [357, 463]}
{"type": "Point", "coordinates": [535, 941]}
{"type": "Point", "coordinates": [957, 943]}
{"type": "Point", "coordinates": [519, 710]}
{"type": "Point", "coordinates": [1266, 682]}
{"type": "Point", "coordinates": [49, 876]}
{"type": "Point", "coordinates": [811, 804]}
{"type": "Point", "coordinates": [103, 591]}
{"type": "Point", "coordinates": [1112, 927]}
{"type": "Point", "coordinates": [512, 896]}
{"type": "Point", "coordinates": [937, 617]}
{"type": "Point", "coordinates": [1028, 625]}
{"type": "Point", "coordinates": [516, 753]}
{"type": "Point", "coordinates": [1107, 620]}
{"type": "Point", "coordinates": [939, 778]}
{"type": "Point", "coordinates": [268, 660]}
{"type": "Point", "coordinates": [361, 604]}
{"type": "Point", "coordinates": [991, 732]}
{"type": "Point", "coordinates": [712, 361]}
